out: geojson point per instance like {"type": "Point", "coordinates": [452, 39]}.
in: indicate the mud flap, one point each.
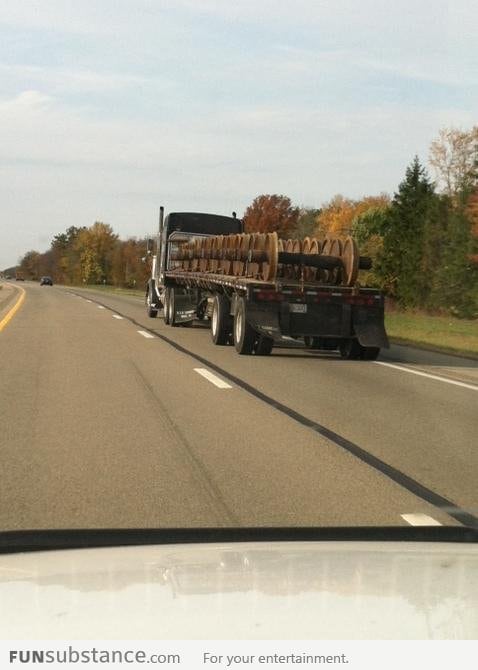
{"type": "Point", "coordinates": [368, 326]}
{"type": "Point", "coordinates": [185, 306]}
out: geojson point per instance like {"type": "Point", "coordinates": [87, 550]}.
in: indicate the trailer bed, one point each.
{"type": "Point", "coordinates": [214, 282]}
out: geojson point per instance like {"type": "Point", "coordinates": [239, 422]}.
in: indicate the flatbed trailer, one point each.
{"type": "Point", "coordinates": [255, 314]}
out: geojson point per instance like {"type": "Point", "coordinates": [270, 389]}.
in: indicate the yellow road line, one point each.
{"type": "Point", "coordinates": [9, 315]}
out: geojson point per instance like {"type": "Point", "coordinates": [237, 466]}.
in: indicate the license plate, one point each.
{"type": "Point", "coordinates": [298, 308]}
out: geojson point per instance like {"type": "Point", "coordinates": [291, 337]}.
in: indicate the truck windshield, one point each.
{"type": "Point", "coordinates": [312, 362]}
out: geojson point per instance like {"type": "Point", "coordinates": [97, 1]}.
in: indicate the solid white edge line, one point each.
{"type": "Point", "coordinates": [427, 374]}
{"type": "Point", "coordinates": [145, 334]}
{"type": "Point", "coordinates": [420, 520]}
{"type": "Point", "coordinates": [117, 316]}
{"type": "Point", "coordinates": [217, 381]}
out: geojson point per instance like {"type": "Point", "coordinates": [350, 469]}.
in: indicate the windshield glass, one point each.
{"type": "Point", "coordinates": [311, 361]}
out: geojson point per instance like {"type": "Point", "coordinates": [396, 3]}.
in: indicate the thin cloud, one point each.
{"type": "Point", "coordinates": [80, 80]}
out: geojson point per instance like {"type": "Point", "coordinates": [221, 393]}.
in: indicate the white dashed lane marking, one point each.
{"type": "Point", "coordinates": [145, 334]}
{"type": "Point", "coordinates": [420, 520]}
{"type": "Point", "coordinates": [117, 316]}
{"type": "Point", "coordinates": [217, 381]}
{"type": "Point", "coordinates": [100, 306]}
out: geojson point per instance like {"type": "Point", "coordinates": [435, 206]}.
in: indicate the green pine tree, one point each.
{"type": "Point", "coordinates": [400, 262]}
{"type": "Point", "coordinates": [455, 279]}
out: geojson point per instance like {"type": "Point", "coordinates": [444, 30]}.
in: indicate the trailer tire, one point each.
{"type": "Point", "coordinates": [370, 353]}
{"type": "Point", "coordinates": [264, 346]}
{"type": "Point", "coordinates": [221, 321]}
{"type": "Point", "coordinates": [151, 311]}
{"type": "Point", "coordinates": [243, 333]}
{"type": "Point", "coordinates": [350, 349]}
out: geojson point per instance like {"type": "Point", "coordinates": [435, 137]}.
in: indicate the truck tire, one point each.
{"type": "Point", "coordinates": [151, 311]}
{"type": "Point", "coordinates": [166, 306]}
{"type": "Point", "coordinates": [263, 346]}
{"type": "Point", "coordinates": [350, 349]}
{"type": "Point", "coordinates": [370, 353]}
{"type": "Point", "coordinates": [221, 321]}
{"type": "Point", "coordinates": [172, 308]}
{"type": "Point", "coordinates": [244, 334]}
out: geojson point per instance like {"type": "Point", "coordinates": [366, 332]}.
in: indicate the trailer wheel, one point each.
{"type": "Point", "coordinates": [370, 353]}
{"type": "Point", "coordinates": [263, 346]}
{"type": "Point", "coordinates": [244, 333]}
{"type": "Point", "coordinates": [221, 321]}
{"type": "Point", "coordinates": [350, 349]}
{"type": "Point", "coordinates": [151, 311]}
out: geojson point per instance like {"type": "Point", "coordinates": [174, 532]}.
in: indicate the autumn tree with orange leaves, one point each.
{"type": "Point", "coordinates": [269, 213]}
{"type": "Point", "coordinates": [337, 216]}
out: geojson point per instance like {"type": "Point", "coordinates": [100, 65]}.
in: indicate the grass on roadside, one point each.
{"type": "Point", "coordinates": [447, 334]}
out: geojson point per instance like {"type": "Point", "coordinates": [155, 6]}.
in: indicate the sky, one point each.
{"type": "Point", "coordinates": [109, 109]}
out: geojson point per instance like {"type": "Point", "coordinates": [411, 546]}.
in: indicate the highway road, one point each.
{"type": "Point", "coordinates": [112, 419]}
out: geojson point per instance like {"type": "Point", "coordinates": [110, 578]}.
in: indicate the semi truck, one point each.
{"type": "Point", "coordinates": [257, 290]}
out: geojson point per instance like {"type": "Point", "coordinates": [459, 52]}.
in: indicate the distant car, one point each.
{"type": "Point", "coordinates": [46, 281]}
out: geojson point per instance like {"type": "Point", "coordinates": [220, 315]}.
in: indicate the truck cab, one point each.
{"type": "Point", "coordinates": [176, 226]}
{"type": "Point", "coordinates": [191, 224]}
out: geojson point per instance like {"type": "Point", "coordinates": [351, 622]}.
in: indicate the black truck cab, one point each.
{"type": "Point", "coordinates": [192, 223]}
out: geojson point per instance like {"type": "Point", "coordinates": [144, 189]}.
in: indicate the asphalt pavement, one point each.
{"type": "Point", "coordinates": [112, 419]}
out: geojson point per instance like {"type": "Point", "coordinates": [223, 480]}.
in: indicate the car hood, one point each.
{"type": "Point", "coordinates": [250, 590]}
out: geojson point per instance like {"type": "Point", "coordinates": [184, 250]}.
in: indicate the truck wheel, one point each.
{"type": "Point", "coordinates": [172, 308]}
{"type": "Point", "coordinates": [370, 353]}
{"type": "Point", "coordinates": [166, 306]}
{"type": "Point", "coordinates": [244, 334]}
{"type": "Point", "coordinates": [151, 311]}
{"type": "Point", "coordinates": [221, 321]}
{"type": "Point", "coordinates": [264, 346]}
{"type": "Point", "coordinates": [350, 349]}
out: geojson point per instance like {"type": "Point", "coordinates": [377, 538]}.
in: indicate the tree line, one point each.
{"type": "Point", "coordinates": [89, 255]}
{"type": "Point", "coordinates": [423, 240]}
